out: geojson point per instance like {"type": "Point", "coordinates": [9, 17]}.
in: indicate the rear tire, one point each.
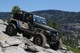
{"type": "Point", "coordinates": [39, 39]}
{"type": "Point", "coordinates": [11, 29]}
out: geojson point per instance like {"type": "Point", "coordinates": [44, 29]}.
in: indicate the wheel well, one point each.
{"type": "Point", "coordinates": [14, 22]}
{"type": "Point", "coordinates": [39, 30]}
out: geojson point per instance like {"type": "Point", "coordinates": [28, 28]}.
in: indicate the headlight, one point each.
{"type": "Point", "coordinates": [48, 31]}
{"type": "Point", "coordinates": [54, 34]}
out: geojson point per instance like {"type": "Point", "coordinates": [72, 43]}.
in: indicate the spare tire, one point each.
{"type": "Point", "coordinates": [11, 29]}
{"type": "Point", "coordinates": [39, 39]}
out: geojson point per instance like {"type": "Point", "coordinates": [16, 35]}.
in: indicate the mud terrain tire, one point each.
{"type": "Point", "coordinates": [56, 46]}
{"type": "Point", "coordinates": [11, 29]}
{"type": "Point", "coordinates": [39, 39]}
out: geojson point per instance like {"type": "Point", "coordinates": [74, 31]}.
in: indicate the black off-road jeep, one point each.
{"type": "Point", "coordinates": [34, 27]}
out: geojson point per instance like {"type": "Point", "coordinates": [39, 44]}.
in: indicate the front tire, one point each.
{"type": "Point", "coordinates": [39, 39]}
{"type": "Point", "coordinates": [11, 29]}
{"type": "Point", "coordinates": [56, 46]}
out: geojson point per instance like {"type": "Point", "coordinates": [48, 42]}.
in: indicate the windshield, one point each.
{"type": "Point", "coordinates": [39, 19]}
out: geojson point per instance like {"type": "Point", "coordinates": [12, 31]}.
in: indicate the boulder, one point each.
{"type": "Point", "coordinates": [1, 50]}
{"type": "Point", "coordinates": [52, 51]}
{"type": "Point", "coordinates": [26, 41]}
{"type": "Point", "coordinates": [14, 49]}
{"type": "Point", "coordinates": [8, 41]}
{"type": "Point", "coordinates": [13, 41]}
{"type": "Point", "coordinates": [35, 48]}
{"type": "Point", "coordinates": [42, 52]}
{"type": "Point", "coordinates": [3, 44]}
{"type": "Point", "coordinates": [23, 46]}
{"type": "Point", "coordinates": [3, 41]}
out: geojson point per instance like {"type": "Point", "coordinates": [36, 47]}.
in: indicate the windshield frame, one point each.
{"type": "Point", "coordinates": [40, 20]}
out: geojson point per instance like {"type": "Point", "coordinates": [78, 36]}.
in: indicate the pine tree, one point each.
{"type": "Point", "coordinates": [55, 25]}
{"type": "Point", "coordinates": [15, 9]}
{"type": "Point", "coordinates": [49, 22]}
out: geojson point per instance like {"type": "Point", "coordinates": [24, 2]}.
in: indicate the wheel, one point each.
{"type": "Point", "coordinates": [39, 39]}
{"type": "Point", "coordinates": [27, 36]}
{"type": "Point", "coordinates": [56, 46]}
{"type": "Point", "coordinates": [11, 29]}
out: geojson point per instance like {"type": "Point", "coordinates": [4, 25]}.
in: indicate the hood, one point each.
{"type": "Point", "coordinates": [42, 26]}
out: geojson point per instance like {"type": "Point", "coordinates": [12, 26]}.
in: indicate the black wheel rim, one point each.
{"type": "Point", "coordinates": [37, 41]}
{"type": "Point", "coordinates": [10, 30]}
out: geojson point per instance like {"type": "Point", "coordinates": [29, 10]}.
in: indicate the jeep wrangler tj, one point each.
{"type": "Point", "coordinates": [34, 27]}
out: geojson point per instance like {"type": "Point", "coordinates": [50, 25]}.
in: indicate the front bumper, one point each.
{"type": "Point", "coordinates": [53, 40]}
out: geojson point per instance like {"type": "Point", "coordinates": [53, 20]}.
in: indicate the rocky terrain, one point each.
{"type": "Point", "coordinates": [71, 28]}
{"type": "Point", "coordinates": [20, 44]}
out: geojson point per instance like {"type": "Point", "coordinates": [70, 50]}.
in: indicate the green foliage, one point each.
{"type": "Point", "coordinates": [70, 40]}
{"type": "Point", "coordinates": [76, 50]}
{"type": "Point", "coordinates": [49, 22]}
{"type": "Point", "coordinates": [15, 9]}
{"type": "Point", "coordinates": [55, 25]}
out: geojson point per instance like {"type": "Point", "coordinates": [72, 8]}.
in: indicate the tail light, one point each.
{"type": "Point", "coordinates": [57, 38]}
